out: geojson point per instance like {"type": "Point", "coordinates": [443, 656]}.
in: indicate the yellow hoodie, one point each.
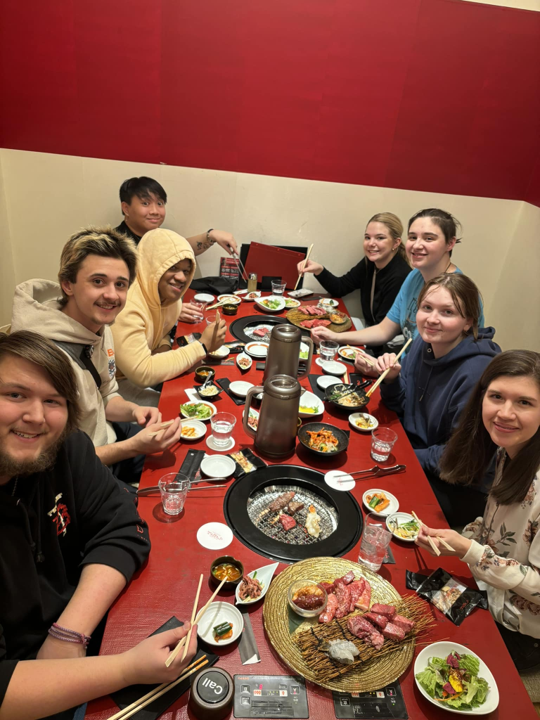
{"type": "Point", "coordinates": [144, 324]}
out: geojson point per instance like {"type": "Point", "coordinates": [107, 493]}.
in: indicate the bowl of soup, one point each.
{"type": "Point", "coordinates": [226, 568]}
{"type": "Point", "coordinates": [203, 373]}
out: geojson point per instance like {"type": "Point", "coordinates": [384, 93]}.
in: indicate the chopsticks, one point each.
{"type": "Point", "coordinates": [164, 425]}
{"type": "Point", "coordinates": [199, 616]}
{"type": "Point", "coordinates": [370, 361]}
{"type": "Point", "coordinates": [304, 265]}
{"type": "Point", "coordinates": [240, 266]}
{"type": "Point", "coordinates": [385, 373]}
{"type": "Point", "coordinates": [155, 488]}
{"type": "Point", "coordinates": [193, 614]}
{"type": "Point", "coordinates": [159, 691]}
{"type": "Point", "coordinates": [430, 539]}
{"type": "Point", "coordinates": [216, 327]}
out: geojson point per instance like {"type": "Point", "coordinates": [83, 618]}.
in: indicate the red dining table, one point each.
{"type": "Point", "coordinates": [168, 584]}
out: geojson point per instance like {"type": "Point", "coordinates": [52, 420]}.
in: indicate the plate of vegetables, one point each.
{"type": "Point", "coordinates": [221, 624]}
{"type": "Point", "coordinates": [198, 410]}
{"type": "Point", "coordinates": [380, 502]}
{"type": "Point", "coordinates": [456, 679]}
{"type": "Point", "coordinates": [310, 405]}
{"type": "Point", "coordinates": [271, 304]}
{"type": "Point", "coordinates": [403, 526]}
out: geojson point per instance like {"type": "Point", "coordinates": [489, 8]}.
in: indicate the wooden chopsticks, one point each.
{"type": "Point", "coordinates": [216, 327]}
{"type": "Point", "coordinates": [304, 265]}
{"type": "Point", "coordinates": [193, 614]}
{"type": "Point", "coordinates": [164, 425]}
{"type": "Point", "coordinates": [430, 539]}
{"type": "Point", "coordinates": [159, 691]}
{"type": "Point", "coordinates": [385, 373]}
{"type": "Point", "coordinates": [370, 361]}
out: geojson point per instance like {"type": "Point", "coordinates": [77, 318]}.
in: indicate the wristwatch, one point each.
{"type": "Point", "coordinates": [204, 348]}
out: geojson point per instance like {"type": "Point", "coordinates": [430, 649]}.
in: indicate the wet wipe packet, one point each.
{"type": "Point", "coordinates": [246, 462]}
{"type": "Point", "coordinates": [447, 593]}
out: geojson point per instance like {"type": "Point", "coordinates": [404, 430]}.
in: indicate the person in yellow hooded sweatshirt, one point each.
{"type": "Point", "coordinates": [144, 356]}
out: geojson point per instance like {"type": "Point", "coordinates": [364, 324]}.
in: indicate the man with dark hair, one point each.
{"type": "Point", "coordinates": [97, 267]}
{"type": "Point", "coordinates": [143, 203]}
{"type": "Point", "coordinates": [70, 541]}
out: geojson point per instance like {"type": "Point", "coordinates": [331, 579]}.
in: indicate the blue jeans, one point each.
{"type": "Point", "coordinates": [80, 712]}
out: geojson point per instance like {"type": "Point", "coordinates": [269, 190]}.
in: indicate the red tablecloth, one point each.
{"type": "Point", "coordinates": [167, 586]}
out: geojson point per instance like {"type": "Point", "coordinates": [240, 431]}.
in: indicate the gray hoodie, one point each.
{"type": "Point", "coordinates": [36, 308]}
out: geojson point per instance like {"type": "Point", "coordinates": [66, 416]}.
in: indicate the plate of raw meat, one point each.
{"type": "Point", "coordinates": [309, 317]}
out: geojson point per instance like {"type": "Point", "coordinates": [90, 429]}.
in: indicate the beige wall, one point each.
{"type": "Point", "coordinates": [48, 197]}
{"type": "Point", "coordinates": [520, 4]}
{"type": "Point", "coordinates": [7, 271]}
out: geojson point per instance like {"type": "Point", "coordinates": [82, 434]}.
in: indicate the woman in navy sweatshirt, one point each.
{"type": "Point", "coordinates": [430, 389]}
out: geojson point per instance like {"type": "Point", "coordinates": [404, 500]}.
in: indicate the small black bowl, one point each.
{"type": "Point", "coordinates": [229, 584]}
{"type": "Point", "coordinates": [345, 408]}
{"type": "Point", "coordinates": [340, 435]}
{"type": "Point", "coordinates": [213, 395]}
{"type": "Point", "coordinates": [202, 373]}
{"type": "Point", "coordinates": [231, 309]}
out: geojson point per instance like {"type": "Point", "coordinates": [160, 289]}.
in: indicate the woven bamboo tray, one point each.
{"type": "Point", "coordinates": [376, 673]}
{"type": "Point", "coordinates": [295, 317]}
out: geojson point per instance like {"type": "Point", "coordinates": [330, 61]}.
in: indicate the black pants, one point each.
{"type": "Point", "coordinates": [461, 504]}
{"type": "Point", "coordinates": [524, 649]}
{"type": "Point", "coordinates": [128, 471]}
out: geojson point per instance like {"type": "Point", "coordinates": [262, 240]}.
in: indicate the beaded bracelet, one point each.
{"type": "Point", "coordinates": [62, 633]}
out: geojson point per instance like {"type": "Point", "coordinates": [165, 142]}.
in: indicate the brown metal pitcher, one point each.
{"type": "Point", "coordinates": [284, 351]}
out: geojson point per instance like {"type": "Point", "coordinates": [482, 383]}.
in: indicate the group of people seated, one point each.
{"type": "Point", "coordinates": [80, 377]}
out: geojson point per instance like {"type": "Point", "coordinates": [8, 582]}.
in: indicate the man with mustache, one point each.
{"type": "Point", "coordinates": [97, 266]}
{"type": "Point", "coordinates": [154, 301]}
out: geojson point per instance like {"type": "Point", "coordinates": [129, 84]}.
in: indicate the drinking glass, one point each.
{"type": "Point", "coordinates": [201, 306]}
{"type": "Point", "coordinates": [375, 539]}
{"type": "Point", "coordinates": [328, 350]}
{"type": "Point", "coordinates": [278, 287]}
{"type": "Point", "coordinates": [211, 318]}
{"type": "Point", "coordinates": [174, 489]}
{"type": "Point", "coordinates": [382, 442]}
{"type": "Point", "coordinates": [222, 428]}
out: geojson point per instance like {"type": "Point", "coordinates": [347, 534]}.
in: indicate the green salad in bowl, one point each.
{"type": "Point", "coordinates": [197, 411]}
{"type": "Point", "coordinates": [454, 682]}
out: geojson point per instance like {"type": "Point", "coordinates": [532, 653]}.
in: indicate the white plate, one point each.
{"type": "Point", "coordinates": [400, 517]}
{"type": "Point", "coordinates": [214, 536]}
{"type": "Point", "coordinates": [252, 296]}
{"type": "Point", "coordinates": [221, 352]}
{"type": "Point", "coordinates": [240, 387]}
{"type": "Point", "coordinates": [324, 381]}
{"type": "Point", "coordinates": [243, 356]}
{"type": "Point", "coordinates": [200, 402]}
{"type": "Point", "coordinates": [257, 349]}
{"type": "Point", "coordinates": [346, 353]}
{"type": "Point", "coordinates": [374, 423]}
{"type": "Point", "coordinates": [217, 466]}
{"type": "Point", "coordinates": [389, 510]}
{"type": "Point", "coordinates": [204, 297]}
{"type": "Point", "coordinates": [217, 613]}
{"type": "Point", "coordinates": [334, 368]}
{"type": "Point", "coordinates": [264, 576]}
{"type": "Point", "coordinates": [199, 426]}
{"type": "Point", "coordinates": [240, 292]}
{"type": "Point", "coordinates": [303, 292]}
{"type": "Point", "coordinates": [328, 303]}
{"type": "Point", "coordinates": [279, 308]}
{"type": "Point", "coordinates": [234, 299]}
{"type": "Point", "coordinates": [311, 400]}
{"type": "Point", "coordinates": [443, 649]}
{"type": "Point", "coordinates": [292, 303]}
{"type": "Point", "coordinates": [339, 480]}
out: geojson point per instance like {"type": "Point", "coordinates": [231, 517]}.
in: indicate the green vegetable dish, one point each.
{"type": "Point", "coordinates": [454, 681]}
{"type": "Point", "coordinates": [196, 410]}
{"type": "Point", "coordinates": [272, 304]}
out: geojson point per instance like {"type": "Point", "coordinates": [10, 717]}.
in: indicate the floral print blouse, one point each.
{"type": "Point", "coordinates": [504, 557]}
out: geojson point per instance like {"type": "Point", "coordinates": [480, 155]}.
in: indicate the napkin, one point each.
{"type": "Point", "coordinates": [249, 652]}
{"type": "Point", "coordinates": [192, 463]}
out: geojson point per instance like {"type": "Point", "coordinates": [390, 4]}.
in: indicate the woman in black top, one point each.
{"type": "Point", "coordinates": [379, 275]}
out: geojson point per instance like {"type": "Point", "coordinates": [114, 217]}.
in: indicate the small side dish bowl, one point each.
{"type": "Point", "coordinates": [340, 435]}
{"type": "Point", "coordinates": [243, 361]}
{"type": "Point", "coordinates": [217, 614]}
{"type": "Point", "coordinates": [310, 405]}
{"type": "Point", "coordinates": [225, 561]}
{"type": "Point", "coordinates": [210, 391]}
{"type": "Point", "coordinates": [193, 430]}
{"type": "Point", "coordinates": [220, 353]}
{"type": "Point", "coordinates": [332, 367]}
{"type": "Point", "coordinates": [240, 388]}
{"type": "Point", "coordinates": [230, 309]}
{"type": "Point", "coordinates": [202, 373]}
{"type": "Point", "coordinates": [264, 575]}
{"type": "Point", "coordinates": [391, 508]}
{"type": "Point", "coordinates": [394, 523]}
{"type": "Point", "coordinates": [363, 422]}
{"type": "Point", "coordinates": [307, 592]}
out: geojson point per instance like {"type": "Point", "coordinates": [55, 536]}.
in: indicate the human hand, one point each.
{"type": "Point", "coordinates": [54, 649]}
{"type": "Point", "coordinates": [364, 367]}
{"type": "Point", "coordinates": [145, 663]}
{"type": "Point", "coordinates": [206, 337]}
{"type": "Point", "coordinates": [322, 333]}
{"type": "Point", "coordinates": [310, 267]}
{"type": "Point", "coordinates": [190, 313]}
{"type": "Point", "coordinates": [387, 361]}
{"type": "Point", "coordinates": [225, 239]}
{"type": "Point", "coordinates": [456, 541]}
{"type": "Point", "coordinates": [146, 415]}
{"type": "Point", "coordinates": [154, 438]}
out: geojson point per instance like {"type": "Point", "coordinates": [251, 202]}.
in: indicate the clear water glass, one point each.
{"type": "Point", "coordinates": [382, 442]}
{"type": "Point", "coordinates": [201, 307]}
{"type": "Point", "coordinates": [222, 428]}
{"type": "Point", "coordinates": [174, 489]}
{"type": "Point", "coordinates": [328, 350]}
{"type": "Point", "coordinates": [375, 539]}
{"type": "Point", "coordinates": [278, 287]}
{"type": "Point", "coordinates": [211, 318]}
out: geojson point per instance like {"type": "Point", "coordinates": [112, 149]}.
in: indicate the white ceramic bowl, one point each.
{"type": "Point", "coordinates": [244, 356]}
{"type": "Point", "coordinates": [443, 649]}
{"type": "Point", "coordinates": [400, 518]}
{"type": "Point", "coordinates": [217, 613]}
{"type": "Point", "coordinates": [234, 299]}
{"type": "Point", "coordinates": [373, 422]}
{"type": "Point", "coordinates": [328, 303]}
{"type": "Point", "coordinates": [280, 306]}
{"type": "Point", "coordinates": [201, 402]}
{"type": "Point", "coordinates": [291, 303]}
{"type": "Point", "coordinates": [257, 349]}
{"type": "Point", "coordinates": [252, 296]}
{"type": "Point", "coordinates": [221, 352]}
{"type": "Point", "coordinates": [264, 575]}
{"type": "Point", "coordinates": [198, 426]}
{"type": "Point", "coordinates": [240, 387]}
{"type": "Point", "coordinates": [346, 353]}
{"type": "Point", "coordinates": [334, 368]}
{"type": "Point", "coordinates": [217, 466]}
{"type": "Point", "coordinates": [324, 381]}
{"type": "Point", "coordinates": [204, 297]}
{"type": "Point", "coordinates": [389, 510]}
{"type": "Point", "coordinates": [309, 399]}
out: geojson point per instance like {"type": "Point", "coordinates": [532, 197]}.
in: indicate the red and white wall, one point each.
{"type": "Point", "coordinates": [287, 122]}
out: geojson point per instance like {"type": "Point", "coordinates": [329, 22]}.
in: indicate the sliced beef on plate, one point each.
{"type": "Point", "coordinates": [379, 620]}
{"type": "Point", "coordinates": [287, 522]}
{"type": "Point", "coordinates": [330, 610]}
{"type": "Point", "coordinates": [343, 595]}
{"type": "Point", "coordinates": [403, 623]}
{"type": "Point", "coordinates": [387, 610]}
{"type": "Point", "coordinates": [375, 639]}
{"type": "Point", "coordinates": [321, 323]}
{"type": "Point", "coordinates": [329, 587]}
{"type": "Point", "coordinates": [348, 578]}
{"type": "Point", "coordinates": [356, 588]}
{"type": "Point", "coordinates": [393, 632]}
{"type": "Point", "coordinates": [364, 600]}
{"type": "Point", "coordinates": [307, 324]}
{"type": "Point", "coordinates": [260, 332]}
{"type": "Point", "coordinates": [360, 627]}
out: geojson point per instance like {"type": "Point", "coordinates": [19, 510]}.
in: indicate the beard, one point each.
{"type": "Point", "coordinates": [9, 467]}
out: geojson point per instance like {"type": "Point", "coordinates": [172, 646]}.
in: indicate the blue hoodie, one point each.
{"type": "Point", "coordinates": [430, 393]}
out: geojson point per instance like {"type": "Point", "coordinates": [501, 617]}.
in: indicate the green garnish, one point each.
{"type": "Point", "coordinates": [196, 410]}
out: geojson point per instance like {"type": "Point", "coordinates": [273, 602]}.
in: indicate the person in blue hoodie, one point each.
{"type": "Point", "coordinates": [431, 387]}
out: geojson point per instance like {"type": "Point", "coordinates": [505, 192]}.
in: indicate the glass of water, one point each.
{"type": "Point", "coordinates": [222, 428]}
{"type": "Point", "coordinates": [375, 539]}
{"type": "Point", "coordinates": [174, 489]}
{"type": "Point", "coordinates": [382, 442]}
{"type": "Point", "coordinates": [201, 307]}
{"type": "Point", "coordinates": [278, 287]}
{"type": "Point", "coordinates": [328, 350]}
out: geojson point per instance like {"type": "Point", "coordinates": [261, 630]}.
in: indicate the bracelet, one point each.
{"type": "Point", "coordinates": [208, 238]}
{"type": "Point", "coordinates": [62, 633]}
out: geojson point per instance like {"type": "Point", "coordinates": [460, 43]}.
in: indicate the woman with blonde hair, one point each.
{"type": "Point", "coordinates": [379, 275]}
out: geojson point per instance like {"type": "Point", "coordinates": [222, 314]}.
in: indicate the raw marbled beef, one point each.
{"type": "Point", "coordinates": [330, 609]}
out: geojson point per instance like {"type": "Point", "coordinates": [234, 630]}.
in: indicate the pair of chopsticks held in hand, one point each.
{"type": "Point", "coordinates": [430, 539]}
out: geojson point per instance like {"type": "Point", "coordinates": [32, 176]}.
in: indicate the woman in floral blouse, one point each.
{"type": "Point", "coordinates": [502, 549]}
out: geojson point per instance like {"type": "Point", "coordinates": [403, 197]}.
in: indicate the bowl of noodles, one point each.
{"type": "Point", "coordinates": [343, 397]}
{"type": "Point", "coordinates": [323, 439]}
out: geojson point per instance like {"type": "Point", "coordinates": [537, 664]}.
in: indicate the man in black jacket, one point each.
{"type": "Point", "coordinates": [70, 541]}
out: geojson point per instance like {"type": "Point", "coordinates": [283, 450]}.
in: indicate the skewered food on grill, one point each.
{"type": "Point", "coordinates": [281, 502]}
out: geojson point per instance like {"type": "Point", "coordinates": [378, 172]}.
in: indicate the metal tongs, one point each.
{"type": "Point", "coordinates": [356, 387]}
{"type": "Point", "coordinates": [154, 490]}
{"type": "Point", "coordinates": [377, 471]}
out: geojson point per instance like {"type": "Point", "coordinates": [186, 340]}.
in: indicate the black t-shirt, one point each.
{"type": "Point", "coordinates": [123, 228]}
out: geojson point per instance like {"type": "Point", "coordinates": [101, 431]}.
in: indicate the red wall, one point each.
{"type": "Point", "coordinates": [437, 95]}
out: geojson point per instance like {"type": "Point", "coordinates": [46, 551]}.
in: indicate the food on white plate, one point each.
{"type": "Point", "coordinates": [311, 409]}
{"type": "Point", "coordinates": [253, 419]}
{"type": "Point", "coordinates": [220, 352]}
{"type": "Point", "coordinates": [378, 502]}
{"type": "Point", "coordinates": [313, 522]}
{"type": "Point", "coordinates": [291, 303]}
{"type": "Point", "coordinates": [364, 422]}
{"type": "Point", "coordinates": [199, 411]}
{"type": "Point", "coordinates": [271, 303]}
{"type": "Point", "coordinates": [454, 681]}
{"type": "Point", "coordinates": [250, 588]}
{"type": "Point", "coordinates": [342, 651]}
{"type": "Point", "coordinates": [189, 432]}
{"type": "Point", "coordinates": [405, 530]}
{"type": "Point", "coordinates": [244, 363]}
{"type": "Point", "coordinates": [242, 460]}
